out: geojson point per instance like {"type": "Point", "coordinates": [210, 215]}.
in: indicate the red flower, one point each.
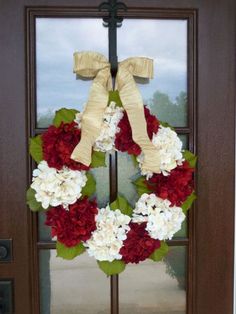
{"type": "Point", "coordinates": [124, 141]}
{"type": "Point", "coordinates": [139, 245]}
{"type": "Point", "coordinates": [175, 187]}
{"type": "Point", "coordinates": [74, 225]}
{"type": "Point", "coordinates": [58, 145]}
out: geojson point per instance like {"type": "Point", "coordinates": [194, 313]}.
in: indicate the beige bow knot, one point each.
{"type": "Point", "coordinates": [92, 64]}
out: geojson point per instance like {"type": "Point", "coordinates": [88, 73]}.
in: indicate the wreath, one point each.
{"type": "Point", "coordinates": [65, 188]}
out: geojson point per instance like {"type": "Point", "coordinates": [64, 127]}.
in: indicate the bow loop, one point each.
{"type": "Point", "coordinates": [88, 64]}
{"type": "Point", "coordinates": [138, 66]}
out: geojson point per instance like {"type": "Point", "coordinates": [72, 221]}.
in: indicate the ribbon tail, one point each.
{"type": "Point", "coordinates": [79, 154]}
{"type": "Point", "coordinates": [133, 104]}
{"type": "Point", "coordinates": [92, 118]}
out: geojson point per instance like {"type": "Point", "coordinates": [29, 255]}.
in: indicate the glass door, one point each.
{"type": "Point", "coordinates": [66, 287]}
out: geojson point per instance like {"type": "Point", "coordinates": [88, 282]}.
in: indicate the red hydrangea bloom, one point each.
{"type": "Point", "coordinates": [175, 187]}
{"type": "Point", "coordinates": [58, 145]}
{"type": "Point", "coordinates": [74, 225]}
{"type": "Point", "coordinates": [139, 245]}
{"type": "Point", "coordinates": [124, 141]}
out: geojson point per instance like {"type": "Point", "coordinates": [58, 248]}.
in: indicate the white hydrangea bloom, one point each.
{"type": "Point", "coordinates": [169, 147]}
{"type": "Point", "coordinates": [57, 187]}
{"type": "Point", "coordinates": [163, 220]}
{"type": "Point", "coordinates": [106, 139]}
{"type": "Point", "coordinates": [107, 240]}
{"type": "Point", "coordinates": [78, 118]}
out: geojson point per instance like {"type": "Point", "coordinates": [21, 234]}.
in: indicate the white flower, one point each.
{"type": "Point", "coordinates": [57, 187]}
{"type": "Point", "coordinates": [78, 118]}
{"type": "Point", "coordinates": [163, 220]}
{"type": "Point", "coordinates": [169, 147]}
{"type": "Point", "coordinates": [112, 116]}
{"type": "Point", "coordinates": [107, 240]}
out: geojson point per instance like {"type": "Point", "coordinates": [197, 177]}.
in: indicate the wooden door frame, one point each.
{"type": "Point", "coordinates": [214, 220]}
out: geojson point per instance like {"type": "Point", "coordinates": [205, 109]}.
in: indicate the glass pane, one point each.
{"type": "Point", "coordinates": [56, 41]}
{"type": "Point", "coordinates": [43, 230]}
{"type": "Point", "coordinates": [72, 287]}
{"type": "Point", "coordinates": [166, 42]}
{"type": "Point", "coordinates": [183, 232]}
{"type": "Point", "coordinates": [127, 172]}
{"type": "Point", "coordinates": [101, 175]}
{"type": "Point", "coordinates": [184, 139]}
{"type": "Point", "coordinates": [155, 287]}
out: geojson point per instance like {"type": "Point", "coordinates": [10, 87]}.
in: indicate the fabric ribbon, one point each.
{"type": "Point", "coordinates": [95, 65]}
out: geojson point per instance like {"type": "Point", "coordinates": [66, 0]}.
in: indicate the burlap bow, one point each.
{"type": "Point", "coordinates": [95, 65]}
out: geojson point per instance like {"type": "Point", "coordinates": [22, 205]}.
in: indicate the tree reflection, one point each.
{"type": "Point", "coordinates": [173, 112]}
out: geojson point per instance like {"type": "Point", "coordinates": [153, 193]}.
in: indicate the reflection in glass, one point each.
{"type": "Point", "coordinates": [184, 139]}
{"type": "Point", "coordinates": [101, 175]}
{"type": "Point", "coordinates": [56, 41]}
{"type": "Point", "coordinates": [127, 172]}
{"type": "Point", "coordinates": [173, 112]}
{"type": "Point", "coordinates": [72, 287]}
{"type": "Point", "coordinates": [165, 41]}
{"type": "Point", "coordinates": [155, 287]}
{"type": "Point", "coordinates": [43, 230]}
{"type": "Point", "coordinates": [182, 233]}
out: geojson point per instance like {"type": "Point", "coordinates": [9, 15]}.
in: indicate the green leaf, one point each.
{"type": "Point", "coordinates": [33, 204]}
{"type": "Point", "coordinates": [190, 157]}
{"type": "Point", "coordinates": [35, 148]}
{"type": "Point", "coordinates": [64, 115]}
{"type": "Point", "coordinates": [134, 160]}
{"type": "Point", "coordinates": [188, 203]}
{"type": "Point", "coordinates": [90, 187]}
{"type": "Point", "coordinates": [166, 125]}
{"type": "Point", "coordinates": [160, 253]}
{"type": "Point", "coordinates": [141, 186]}
{"type": "Point", "coordinates": [111, 268]}
{"type": "Point", "coordinates": [122, 204]}
{"type": "Point", "coordinates": [114, 96]}
{"type": "Point", "coordinates": [98, 159]}
{"type": "Point", "coordinates": [69, 252]}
